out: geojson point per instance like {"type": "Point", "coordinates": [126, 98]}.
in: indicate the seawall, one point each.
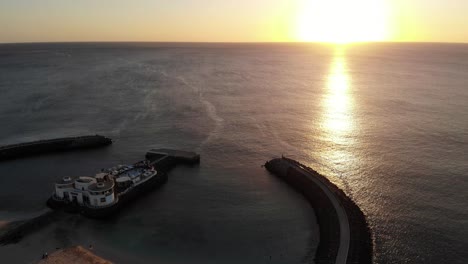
{"type": "Point", "coordinates": [15, 231]}
{"type": "Point", "coordinates": [52, 145]}
{"type": "Point", "coordinates": [335, 246]}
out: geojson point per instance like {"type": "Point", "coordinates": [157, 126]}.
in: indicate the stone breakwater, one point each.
{"type": "Point", "coordinates": [15, 231]}
{"type": "Point", "coordinates": [52, 145]}
{"type": "Point", "coordinates": [352, 244]}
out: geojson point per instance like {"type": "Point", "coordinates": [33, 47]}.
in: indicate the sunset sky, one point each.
{"type": "Point", "coordinates": [234, 21]}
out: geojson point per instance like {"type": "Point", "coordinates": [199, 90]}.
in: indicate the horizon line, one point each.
{"type": "Point", "coordinates": [233, 42]}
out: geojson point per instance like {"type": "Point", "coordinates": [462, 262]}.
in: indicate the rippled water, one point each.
{"type": "Point", "coordinates": [386, 122]}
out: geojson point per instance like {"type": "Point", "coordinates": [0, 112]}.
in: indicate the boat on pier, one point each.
{"type": "Point", "coordinates": [103, 194]}
{"type": "Point", "coordinates": [106, 192]}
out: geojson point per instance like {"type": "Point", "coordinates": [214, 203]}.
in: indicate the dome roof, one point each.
{"type": "Point", "coordinates": [101, 186]}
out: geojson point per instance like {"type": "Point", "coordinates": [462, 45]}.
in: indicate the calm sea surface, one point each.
{"type": "Point", "coordinates": [388, 123]}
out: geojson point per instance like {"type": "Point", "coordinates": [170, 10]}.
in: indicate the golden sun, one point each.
{"type": "Point", "coordinates": [342, 21]}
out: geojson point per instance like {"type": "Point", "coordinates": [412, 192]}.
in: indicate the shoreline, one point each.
{"type": "Point", "coordinates": [343, 239]}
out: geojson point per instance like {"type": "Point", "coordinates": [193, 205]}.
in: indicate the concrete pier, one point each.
{"type": "Point", "coordinates": [163, 160]}
{"type": "Point", "coordinates": [180, 155]}
{"type": "Point", "coordinates": [166, 159]}
{"type": "Point", "coordinates": [344, 234]}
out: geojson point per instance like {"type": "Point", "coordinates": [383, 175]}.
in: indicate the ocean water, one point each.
{"type": "Point", "coordinates": [388, 123]}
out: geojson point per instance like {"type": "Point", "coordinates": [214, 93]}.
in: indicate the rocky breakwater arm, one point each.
{"type": "Point", "coordinates": [52, 145]}
{"type": "Point", "coordinates": [15, 231]}
{"type": "Point", "coordinates": [344, 234]}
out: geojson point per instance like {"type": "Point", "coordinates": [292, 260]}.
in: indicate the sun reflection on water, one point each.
{"type": "Point", "coordinates": [338, 102]}
{"type": "Point", "coordinates": [337, 120]}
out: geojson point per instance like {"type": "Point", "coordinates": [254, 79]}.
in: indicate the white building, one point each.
{"type": "Point", "coordinates": [86, 191]}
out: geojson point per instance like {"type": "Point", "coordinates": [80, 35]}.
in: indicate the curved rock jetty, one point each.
{"type": "Point", "coordinates": [345, 236]}
{"type": "Point", "coordinates": [52, 145]}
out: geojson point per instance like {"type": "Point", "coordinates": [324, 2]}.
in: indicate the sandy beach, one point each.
{"type": "Point", "coordinates": [76, 254]}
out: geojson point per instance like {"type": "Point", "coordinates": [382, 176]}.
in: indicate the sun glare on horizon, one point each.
{"type": "Point", "coordinates": [342, 21]}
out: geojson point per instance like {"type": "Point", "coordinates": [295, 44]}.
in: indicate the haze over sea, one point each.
{"type": "Point", "coordinates": [388, 123]}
